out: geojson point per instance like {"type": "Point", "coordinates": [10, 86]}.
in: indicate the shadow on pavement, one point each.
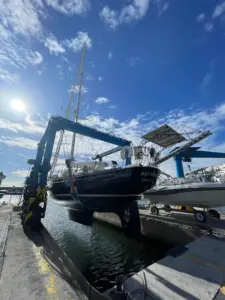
{"type": "Point", "coordinates": [61, 264]}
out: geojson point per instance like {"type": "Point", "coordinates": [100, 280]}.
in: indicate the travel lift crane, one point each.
{"type": "Point", "coordinates": [193, 152]}
{"type": "Point", "coordinates": [35, 190]}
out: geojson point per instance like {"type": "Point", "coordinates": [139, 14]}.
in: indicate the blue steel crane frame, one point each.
{"type": "Point", "coordinates": [193, 152]}
{"type": "Point", "coordinates": [35, 191]}
{"type": "Point", "coordinates": [45, 148]}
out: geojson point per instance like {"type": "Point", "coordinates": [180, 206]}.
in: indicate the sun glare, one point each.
{"type": "Point", "coordinates": [18, 105]}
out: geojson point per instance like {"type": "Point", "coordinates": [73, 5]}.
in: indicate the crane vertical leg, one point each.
{"type": "Point", "coordinates": [179, 166]}
{"type": "Point", "coordinates": [35, 195]}
{"type": "Point", "coordinates": [128, 159]}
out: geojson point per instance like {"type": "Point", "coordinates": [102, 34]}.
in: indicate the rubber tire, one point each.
{"type": "Point", "coordinates": [200, 216]}
{"type": "Point", "coordinates": [213, 213]}
{"type": "Point", "coordinates": [167, 208]}
{"type": "Point", "coordinates": [154, 210]}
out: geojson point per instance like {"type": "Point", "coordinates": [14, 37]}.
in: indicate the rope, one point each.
{"type": "Point", "coordinates": [143, 289]}
{"type": "Point", "coordinates": [66, 146]}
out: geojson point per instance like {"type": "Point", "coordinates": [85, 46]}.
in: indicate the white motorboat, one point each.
{"type": "Point", "coordinates": [188, 192]}
{"type": "Point", "coordinates": [196, 194]}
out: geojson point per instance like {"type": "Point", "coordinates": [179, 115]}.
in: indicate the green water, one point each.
{"type": "Point", "coordinates": [100, 253]}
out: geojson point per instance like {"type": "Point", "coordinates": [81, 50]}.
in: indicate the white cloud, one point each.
{"type": "Point", "coordinates": [70, 7]}
{"type": "Point", "coordinates": [101, 100]}
{"type": "Point", "coordinates": [77, 43]}
{"type": "Point", "coordinates": [161, 5]}
{"type": "Point", "coordinates": [8, 76]}
{"type": "Point", "coordinates": [219, 10]}
{"type": "Point", "coordinates": [4, 32]}
{"type": "Point", "coordinates": [109, 17]}
{"type": "Point", "coordinates": [35, 58]}
{"type": "Point", "coordinates": [208, 27]}
{"type": "Point", "coordinates": [135, 10]}
{"type": "Point", "coordinates": [84, 89]}
{"type": "Point", "coordinates": [208, 77]}
{"type": "Point", "coordinates": [91, 63]}
{"type": "Point", "coordinates": [112, 106]}
{"type": "Point", "coordinates": [89, 77]}
{"type": "Point", "coordinates": [22, 16]}
{"type": "Point", "coordinates": [53, 45]}
{"type": "Point", "coordinates": [10, 181]}
{"type": "Point", "coordinates": [59, 71]}
{"type": "Point", "coordinates": [132, 129]}
{"type": "Point", "coordinates": [14, 55]}
{"type": "Point", "coordinates": [19, 142]}
{"type": "Point", "coordinates": [100, 78]}
{"type": "Point", "coordinates": [201, 17]}
{"type": "Point", "coordinates": [20, 173]}
{"type": "Point", "coordinates": [28, 126]}
{"type": "Point", "coordinates": [110, 55]}
{"type": "Point", "coordinates": [65, 59]}
{"type": "Point", "coordinates": [133, 61]}
{"type": "Point", "coordinates": [206, 80]}
{"type": "Point", "coordinates": [22, 155]}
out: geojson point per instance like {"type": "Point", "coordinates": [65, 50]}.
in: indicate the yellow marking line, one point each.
{"type": "Point", "coordinates": [208, 264]}
{"type": "Point", "coordinates": [222, 289]}
{"type": "Point", "coordinates": [45, 269]}
{"type": "Point", "coordinates": [204, 262]}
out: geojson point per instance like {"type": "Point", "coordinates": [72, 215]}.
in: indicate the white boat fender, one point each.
{"type": "Point", "coordinates": [126, 150]}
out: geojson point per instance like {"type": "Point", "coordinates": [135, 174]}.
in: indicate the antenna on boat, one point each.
{"type": "Point", "coordinates": [80, 73]}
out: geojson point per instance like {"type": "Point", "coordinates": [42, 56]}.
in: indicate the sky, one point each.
{"type": "Point", "coordinates": [148, 62]}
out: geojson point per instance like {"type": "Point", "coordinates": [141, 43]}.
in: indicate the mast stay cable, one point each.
{"type": "Point", "coordinates": [58, 148]}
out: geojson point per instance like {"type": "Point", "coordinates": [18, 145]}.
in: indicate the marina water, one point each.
{"type": "Point", "coordinates": [99, 252]}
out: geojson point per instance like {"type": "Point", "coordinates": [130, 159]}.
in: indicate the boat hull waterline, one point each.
{"type": "Point", "coordinates": [207, 195]}
{"type": "Point", "coordinates": [105, 190]}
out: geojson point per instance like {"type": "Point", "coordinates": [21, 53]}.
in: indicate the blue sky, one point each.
{"type": "Point", "coordinates": [147, 63]}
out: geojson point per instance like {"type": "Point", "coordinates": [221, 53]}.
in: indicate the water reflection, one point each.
{"type": "Point", "coordinates": [100, 253]}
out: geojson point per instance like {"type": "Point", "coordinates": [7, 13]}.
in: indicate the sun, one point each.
{"type": "Point", "coordinates": [18, 105]}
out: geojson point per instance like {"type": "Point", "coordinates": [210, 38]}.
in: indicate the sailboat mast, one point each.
{"type": "Point", "coordinates": [55, 158]}
{"type": "Point", "coordinates": [76, 112]}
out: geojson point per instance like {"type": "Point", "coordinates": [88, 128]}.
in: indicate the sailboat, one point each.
{"type": "Point", "coordinates": [87, 187]}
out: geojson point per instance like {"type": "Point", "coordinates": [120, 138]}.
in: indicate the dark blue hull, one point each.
{"type": "Point", "coordinates": [104, 191]}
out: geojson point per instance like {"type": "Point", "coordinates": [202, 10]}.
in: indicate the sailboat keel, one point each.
{"type": "Point", "coordinates": [128, 214]}
{"type": "Point", "coordinates": [84, 217]}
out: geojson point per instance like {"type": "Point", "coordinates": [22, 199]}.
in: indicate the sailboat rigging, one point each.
{"type": "Point", "coordinates": [87, 187]}
{"type": "Point", "coordinates": [76, 111]}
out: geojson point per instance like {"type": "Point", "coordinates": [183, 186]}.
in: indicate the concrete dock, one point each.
{"type": "Point", "coordinates": [193, 269]}
{"type": "Point", "coordinates": [196, 271]}
{"type": "Point", "coordinates": [173, 228]}
{"type": "Point", "coordinates": [32, 266]}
